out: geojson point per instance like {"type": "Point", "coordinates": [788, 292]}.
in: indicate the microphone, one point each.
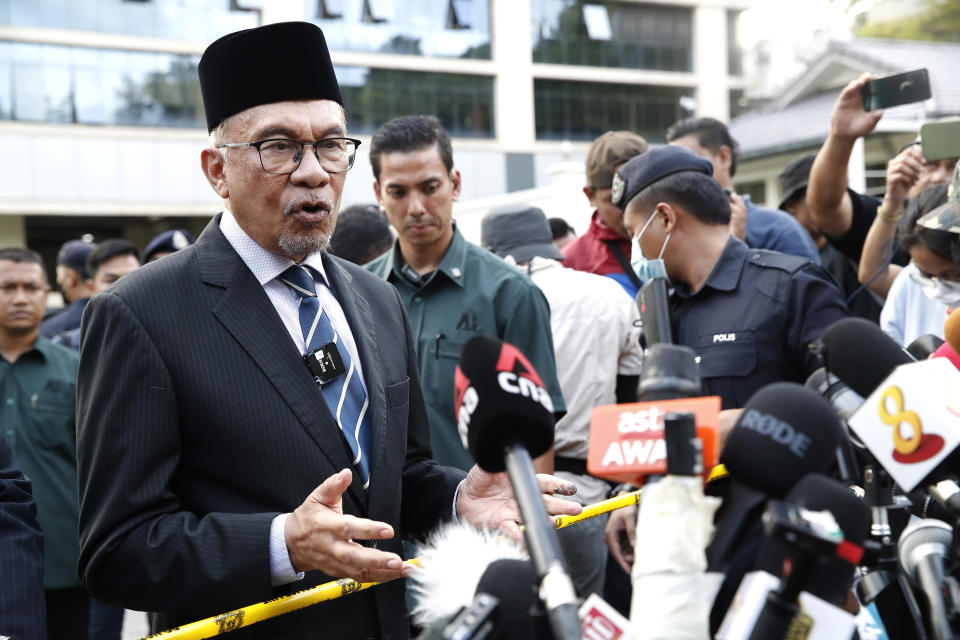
{"type": "Point", "coordinates": [829, 579]}
{"type": "Point", "coordinates": [845, 401]}
{"type": "Point", "coordinates": [924, 346]}
{"type": "Point", "coordinates": [860, 354]}
{"type": "Point", "coordinates": [951, 333]}
{"type": "Point", "coordinates": [508, 417]}
{"type": "Point", "coordinates": [671, 593]}
{"type": "Point", "coordinates": [785, 432]}
{"type": "Point", "coordinates": [924, 546]}
{"type": "Point", "coordinates": [653, 299]}
{"type": "Point", "coordinates": [669, 371]}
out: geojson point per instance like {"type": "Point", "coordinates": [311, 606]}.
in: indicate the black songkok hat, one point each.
{"type": "Point", "coordinates": [654, 165]}
{"type": "Point", "coordinates": [276, 62]}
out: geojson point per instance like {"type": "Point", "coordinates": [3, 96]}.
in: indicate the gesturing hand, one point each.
{"type": "Point", "coordinates": [487, 500]}
{"type": "Point", "coordinates": [621, 535]}
{"type": "Point", "coordinates": [319, 536]}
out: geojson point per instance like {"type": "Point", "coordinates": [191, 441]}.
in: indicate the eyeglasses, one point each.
{"type": "Point", "coordinates": [281, 155]}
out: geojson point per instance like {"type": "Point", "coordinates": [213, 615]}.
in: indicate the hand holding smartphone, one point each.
{"type": "Point", "coordinates": [896, 89]}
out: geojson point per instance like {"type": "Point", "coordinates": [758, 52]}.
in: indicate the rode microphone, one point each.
{"type": "Point", "coordinates": [860, 354]}
{"type": "Point", "coordinates": [923, 548]}
{"type": "Point", "coordinates": [785, 432]}
{"type": "Point", "coordinates": [505, 409]}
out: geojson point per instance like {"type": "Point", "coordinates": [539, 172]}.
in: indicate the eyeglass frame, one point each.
{"type": "Point", "coordinates": [303, 145]}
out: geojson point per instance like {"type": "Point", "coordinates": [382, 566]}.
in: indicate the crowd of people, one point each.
{"type": "Point", "coordinates": [272, 405]}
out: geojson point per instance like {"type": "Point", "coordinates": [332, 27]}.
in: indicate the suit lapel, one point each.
{"type": "Point", "coordinates": [362, 326]}
{"type": "Point", "coordinates": [247, 313]}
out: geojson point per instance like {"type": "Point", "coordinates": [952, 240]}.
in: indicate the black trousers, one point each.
{"type": "Point", "coordinates": [68, 613]}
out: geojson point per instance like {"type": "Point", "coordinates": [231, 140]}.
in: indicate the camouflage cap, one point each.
{"type": "Point", "coordinates": [946, 217]}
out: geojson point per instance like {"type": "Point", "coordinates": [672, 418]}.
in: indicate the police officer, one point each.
{"type": "Point", "coordinates": [749, 314]}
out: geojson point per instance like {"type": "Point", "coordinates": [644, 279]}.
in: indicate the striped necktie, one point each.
{"type": "Point", "coordinates": [345, 395]}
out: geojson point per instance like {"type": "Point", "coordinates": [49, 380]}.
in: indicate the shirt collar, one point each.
{"type": "Point", "coordinates": [726, 273]}
{"type": "Point", "coordinates": [264, 264]}
{"type": "Point", "coordinates": [451, 266]}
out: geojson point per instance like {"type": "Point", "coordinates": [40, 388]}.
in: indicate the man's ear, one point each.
{"type": "Point", "coordinates": [725, 158]}
{"type": "Point", "coordinates": [214, 168]}
{"type": "Point", "coordinates": [376, 192]}
{"type": "Point", "coordinates": [590, 193]}
{"type": "Point", "coordinates": [455, 179]}
{"type": "Point", "coordinates": [668, 216]}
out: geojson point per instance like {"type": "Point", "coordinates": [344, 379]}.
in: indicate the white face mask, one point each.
{"type": "Point", "coordinates": [946, 292]}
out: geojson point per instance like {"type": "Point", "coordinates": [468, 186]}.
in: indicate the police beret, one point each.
{"type": "Point", "coordinates": [74, 254]}
{"type": "Point", "coordinates": [654, 165]}
{"type": "Point", "coordinates": [276, 62]}
{"type": "Point", "coordinates": [168, 242]}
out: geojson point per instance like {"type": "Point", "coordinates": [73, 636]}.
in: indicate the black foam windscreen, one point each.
{"type": "Point", "coordinates": [510, 581]}
{"type": "Point", "coordinates": [785, 432]}
{"type": "Point", "coordinates": [669, 371]}
{"type": "Point", "coordinates": [831, 578]}
{"type": "Point", "coordinates": [860, 354]}
{"type": "Point", "coordinates": [500, 400]}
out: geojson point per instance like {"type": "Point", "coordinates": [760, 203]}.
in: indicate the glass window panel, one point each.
{"type": "Point", "coordinates": [422, 27]}
{"type": "Point", "coordinates": [584, 110]}
{"type": "Point", "coordinates": [331, 9]}
{"type": "Point", "coordinates": [202, 20]}
{"type": "Point", "coordinates": [597, 21]}
{"type": "Point", "coordinates": [380, 10]}
{"type": "Point", "coordinates": [462, 13]}
{"type": "Point", "coordinates": [640, 35]}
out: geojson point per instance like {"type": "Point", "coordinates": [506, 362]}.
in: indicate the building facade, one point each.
{"type": "Point", "coordinates": [101, 117]}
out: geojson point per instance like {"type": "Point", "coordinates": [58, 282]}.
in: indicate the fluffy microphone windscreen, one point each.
{"type": "Point", "coordinates": [860, 354]}
{"type": "Point", "coordinates": [785, 432]}
{"type": "Point", "coordinates": [831, 578]}
{"type": "Point", "coordinates": [500, 400]}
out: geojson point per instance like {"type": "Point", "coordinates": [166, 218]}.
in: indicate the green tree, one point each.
{"type": "Point", "coordinates": [939, 21]}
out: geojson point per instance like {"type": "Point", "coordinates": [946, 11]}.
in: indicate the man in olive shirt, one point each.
{"type": "Point", "coordinates": [452, 289]}
{"type": "Point", "coordinates": [37, 391]}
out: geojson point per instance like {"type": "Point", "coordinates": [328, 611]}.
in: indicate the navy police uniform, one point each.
{"type": "Point", "coordinates": [753, 320]}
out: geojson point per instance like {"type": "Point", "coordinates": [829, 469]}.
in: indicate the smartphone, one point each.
{"type": "Point", "coordinates": [941, 139]}
{"type": "Point", "coordinates": [897, 89]}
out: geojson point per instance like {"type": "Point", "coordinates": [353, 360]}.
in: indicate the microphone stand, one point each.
{"type": "Point", "coordinates": [555, 587]}
{"type": "Point", "coordinates": [884, 585]}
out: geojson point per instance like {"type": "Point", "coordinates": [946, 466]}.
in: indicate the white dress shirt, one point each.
{"type": "Point", "coordinates": [266, 266]}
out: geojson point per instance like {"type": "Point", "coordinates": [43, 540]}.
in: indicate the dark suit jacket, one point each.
{"type": "Point", "coordinates": [198, 422]}
{"type": "Point", "coordinates": [23, 614]}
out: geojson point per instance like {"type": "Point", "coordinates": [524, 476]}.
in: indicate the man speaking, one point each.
{"type": "Point", "coordinates": [250, 416]}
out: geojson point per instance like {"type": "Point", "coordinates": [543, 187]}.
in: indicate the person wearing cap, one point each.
{"type": "Point", "coordinates": [764, 228]}
{"type": "Point", "coordinates": [749, 314]}
{"type": "Point", "coordinates": [452, 289]}
{"type": "Point", "coordinates": [928, 288]}
{"type": "Point", "coordinates": [73, 280]}
{"type": "Point", "coordinates": [861, 301]}
{"type": "Point", "coordinates": [218, 466]}
{"type": "Point", "coordinates": [596, 338]}
{"type": "Point", "coordinates": [845, 216]}
{"type": "Point", "coordinates": [604, 248]}
{"type": "Point", "coordinates": [163, 244]}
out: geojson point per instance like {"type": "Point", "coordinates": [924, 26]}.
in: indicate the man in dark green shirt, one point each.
{"type": "Point", "coordinates": [452, 289]}
{"type": "Point", "coordinates": [37, 396]}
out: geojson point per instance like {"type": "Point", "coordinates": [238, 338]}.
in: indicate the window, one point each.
{"type": "Point", "coordinates": [584, 110]}
{"type": "Point", "coordinates": [48, 83]}
{"type": "Point", "coordinates": [464, 103]}
{"type": "Point", "coordinates": [625, 34]}
{"type": "Point", "coordinates": [449, 28]}
{"type": "Point", "coordinates": [597, 20]}
{"type": "Point", "coordinates": [756, 190]}
{"type": "Point", "coordinates": [197, 20]}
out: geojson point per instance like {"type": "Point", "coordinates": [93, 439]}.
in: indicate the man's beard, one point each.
{"type": "Point", "coordinates": [303, 243]}
{"type": "Point", "coordinates": [312, 239]}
